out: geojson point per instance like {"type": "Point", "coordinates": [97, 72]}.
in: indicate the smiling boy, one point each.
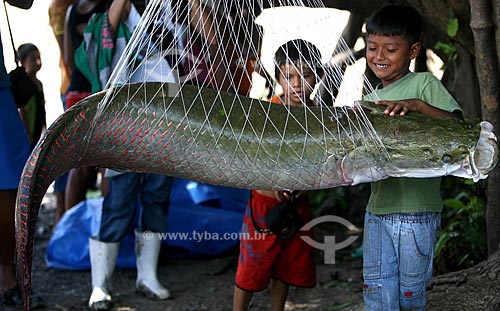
{"type": "Point", "coordinates": [402, 218]}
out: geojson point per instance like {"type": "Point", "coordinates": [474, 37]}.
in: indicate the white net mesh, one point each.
{"type": "Point", "coordinates": [218, 64]}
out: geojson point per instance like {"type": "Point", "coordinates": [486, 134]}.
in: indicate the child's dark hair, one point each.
{"type": "Point", "coordinates": [298, 51]}
{"type": "Point", "coordinates": [24, 49]}
{"type": "Point", "coordinates": [396, 20]}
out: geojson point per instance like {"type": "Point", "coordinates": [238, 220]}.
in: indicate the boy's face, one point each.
{"type": "Point", "coordinates": [389, 57]}
{"type": "Point", "coordinates": [297, 81]}
{"type": "Point", "coordinates": [33, 62]}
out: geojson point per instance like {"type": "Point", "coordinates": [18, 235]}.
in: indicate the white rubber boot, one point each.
{"type": "Point", "coordinates": [102, 259]}
{"type": "Point", "coordinates": [147, 250]}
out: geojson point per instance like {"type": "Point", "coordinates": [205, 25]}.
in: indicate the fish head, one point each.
{"type": "Point", "coordinates": [474, 160]}
{"type": "Point", "coordinates": [481, 160]}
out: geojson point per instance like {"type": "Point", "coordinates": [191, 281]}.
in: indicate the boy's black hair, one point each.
{"type": "Point", "coordinates": [295, 52]}
{"type": "Point", "coordinates": [396, 20]}
{"type": "Point", "coordinates": [24, 49]}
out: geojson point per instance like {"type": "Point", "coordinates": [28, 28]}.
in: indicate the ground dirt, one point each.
{"type": "Point", "coordinates": [196, 284]}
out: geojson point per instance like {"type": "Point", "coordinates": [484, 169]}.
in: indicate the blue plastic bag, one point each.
{"type": "Point", "coordinates": [203, 221]}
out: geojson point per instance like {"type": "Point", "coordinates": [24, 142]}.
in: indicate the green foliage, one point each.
{"type": "Point", "coordinates": [453, 27]}
{"type": "Point", "coordinates": [449, 47]}
{"type": "Point", "coordinates": [462, 239]}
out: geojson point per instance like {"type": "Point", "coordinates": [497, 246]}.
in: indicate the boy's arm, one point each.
{"type": "Point", "coordinates": [115, 12]}
{"type": "Point", "coordinates": [202, 20]}
{"type": "Point", "coordinates": [69, 49]}
{"type": "Point", "coordinates": [404, 106]}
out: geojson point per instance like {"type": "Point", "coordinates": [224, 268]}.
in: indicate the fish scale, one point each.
{"type": "Point", "coordinates": [228, 140]}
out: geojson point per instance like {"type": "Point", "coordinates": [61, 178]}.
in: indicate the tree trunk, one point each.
{"type": "Point", "coordinates": [475, 288]}
{"type": "Point", "coordinates": [487, 67]}
{"type": "Point", "coordinates": [460, 79]}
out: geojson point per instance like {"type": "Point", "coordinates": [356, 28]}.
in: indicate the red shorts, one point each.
{"type": "Point", "coordinates": [265, 256]}
{"type": "Point", "coordinates": [73, 97]}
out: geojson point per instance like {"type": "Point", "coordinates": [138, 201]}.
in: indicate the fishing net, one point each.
{"type": "Point", "coordinates": [226, 56]}
{"type": "Point", "coordinates": [257, 94]}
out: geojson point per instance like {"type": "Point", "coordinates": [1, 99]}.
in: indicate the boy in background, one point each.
{"type": "Point", "coordinates": [286, 262]}
{"type": "Point", "coordinates": [33, 113]}
{"type": "Point", "coordinates": [403, 214]}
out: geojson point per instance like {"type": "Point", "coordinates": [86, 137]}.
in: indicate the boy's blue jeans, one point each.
{"type": "Point", "coordinates": [119, 206]}
{"type": "Point", "coordinates": [398, 252]}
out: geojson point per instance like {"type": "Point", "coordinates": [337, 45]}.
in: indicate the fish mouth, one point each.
{"type": "Point", "coordinates": [485, 156]}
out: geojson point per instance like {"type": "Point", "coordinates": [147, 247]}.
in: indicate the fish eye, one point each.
{"type": "Point", "coordinates": [446, 158]}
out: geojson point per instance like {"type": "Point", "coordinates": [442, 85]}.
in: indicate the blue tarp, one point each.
{"type": "Point", "coordinates": [203, 221]}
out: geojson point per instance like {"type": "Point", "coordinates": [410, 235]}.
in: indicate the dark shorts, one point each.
{"type": "Point", "coordinates": [60, 183]}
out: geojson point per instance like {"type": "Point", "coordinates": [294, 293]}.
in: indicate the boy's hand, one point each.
{"type": "Point", "coordinates": [402, 107]}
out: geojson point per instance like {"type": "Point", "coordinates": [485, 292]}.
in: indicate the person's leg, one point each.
{"type": "Point", "coordinates": [147, 250]}
{"type": "Point", "coordinates": [155, 198]}
{"type": "Point", "coordinates": [59, 192]}
{"type": "Point", "coordinates": [117, 216]}
{"type": "Point", "coordinates": [104, 182]}
{"type": "Point", "coordinates": [7, 240]}
{"type": "Point", "coordinates": [380, 264]}
{"type": "Point", "coordinates": [76, 188]}
{"type": "Point", "coordinates": [241, 299]}
{"type": "Point", "coordinates": [118, 207]}
{"type": "Point", "coordinates": [279, 292]}
{"type": "Point", "coordinates": [103, 257]}
{"type": "Point", "coordinates": [416, 253]}
{"type": "Point", "coordinates": [79, 181]}
{"type": "Point", "coordinates": [257, 255]}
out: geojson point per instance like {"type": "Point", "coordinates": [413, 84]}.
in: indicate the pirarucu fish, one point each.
{"type": "Point", "coordinates": [224, 139]}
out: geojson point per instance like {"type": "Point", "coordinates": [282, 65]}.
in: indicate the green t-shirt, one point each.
{"type": "Point", "coordinates": [404, 195]}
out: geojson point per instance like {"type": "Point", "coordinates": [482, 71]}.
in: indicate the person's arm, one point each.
{"type": "Point", "coordinates": [402, 107]}
{"type": "Point", "coordinates": [22, 4]}
{"type": "Point", "coordinates": [68, 43]}
{"type": "Point", "coordinates": [202, 21]}
{"type": "Point", "coordinates": [117, 12]}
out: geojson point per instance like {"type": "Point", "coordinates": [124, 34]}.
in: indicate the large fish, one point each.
{"type": "Point", "coordinates": [224, 139]}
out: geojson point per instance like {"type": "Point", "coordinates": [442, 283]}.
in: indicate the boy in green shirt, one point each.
{"type": "Point", "coordinates": [403, 214]}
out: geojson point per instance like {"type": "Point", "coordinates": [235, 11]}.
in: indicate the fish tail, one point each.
{"type": "Point", "coordinates": [59, 150]}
